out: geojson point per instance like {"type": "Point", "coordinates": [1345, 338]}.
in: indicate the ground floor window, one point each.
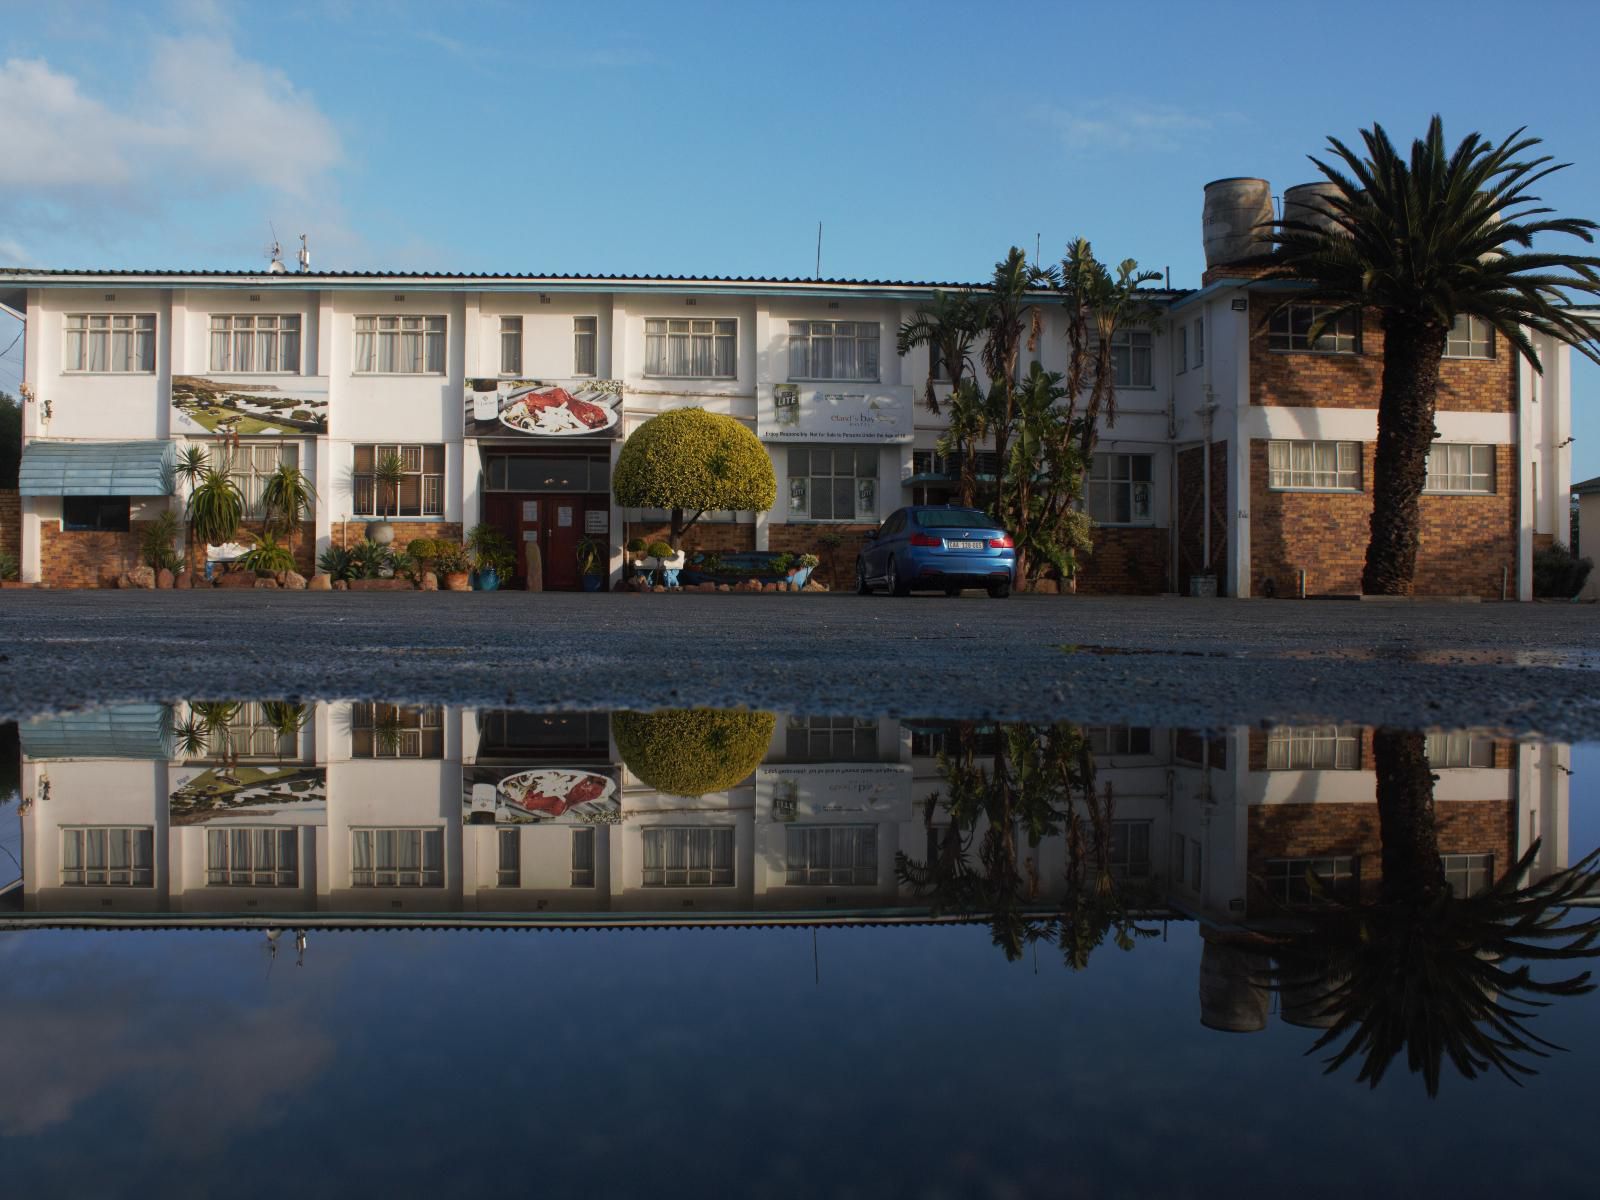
{"type": "Point", "coordinates": [95, 514]}
{"type": "Point", "coordinates": [1120, 489]}
{"type": "Point", "coordinates": [1288, 880]}
{"type": "Point", "coordinates": [546, 473]}
{"type": "Point", "coordinates": [251, 464]}
{"type": "Point", "coordinates": [252, 858]}
{"type": "Point", "coordinates": [1121, 740]}
{"type": "Point", "coordinates": [1314, 748]}
{"type": "Point", "coordinates": [1130, 849]}
{"type": "Point", "coordinates": [836, 484]}
{"type": "Point", "coordinates": [421, 489]}
{"type": "Point", "coordinates": [838, 855]}
{"type": "Point", "coordinates": [397, 858]}
{"type": "Point", "coordinates": [1314, 466]}
{"type": "Point", "coordinates": [1468, 874]}
{"type": "Point", "coordinates": [688, 857]}
{"type": "Point", "coordinates": [1453, 467]}
{"type": "Point", "coordinates": [108, 856]}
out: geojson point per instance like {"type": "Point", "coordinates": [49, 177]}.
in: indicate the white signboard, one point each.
{"type": "Point", "coordinates": [834, 412]}
{"type": "Point", "coordinates": [876, 791]}
{"type": "Point", "coordinates": [596, 520]}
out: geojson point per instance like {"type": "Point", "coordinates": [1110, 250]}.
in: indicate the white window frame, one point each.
{"type": "Point", "coordinates": [1340, 336]}
{"type": "Point", "coordinates": [1120, 741]}
{"type": "Point", "coordinates": [375, 876]}
{"type": "Point", "coordinates": [830, 739]}
{"type": "Point", "coordinates": [1459, 751]}
{"type": "Point", "coordinates": [430, 484]}
{"type": "Point", "coordinates": [807, 337]}
{"type": "Point", "coordinates": [1314, 748]}
{"type": "Point", "coordinates": [664, 330]}
{"type": "Point", "coordinates": [140, 342]}
{"type": "Point", "coordinates": [1284, 879]}
{"type": "Point", "coordinates": [431, 329]}
{"type": "Point", "coordinates": [252, 332]}
{"type": "Point", "coordinates": [673, 846]}
{"type": "Point", "coordinates": [130, 874]}
{"type": "Point", "coordinates": [1284, 474]}
{"type": "Point", "coordinates": [231, 872]}
{"type": "Point", "coordinates": [511, 345]}
{"type": "Point", "coordinates": [1468, 869]}
{"type": "Point", "coordinates": [248, 465]}
{"type": "Point", "coordinates": [1469, 337]}
{"type": "Point", "coordinates": [811, 853]}
{"type": "Point", "coordinates": [1101, 486]}
{"type": "Point", "coordinates": [580, 335]}
{"type": "Point", "coordinates": [864, 489]}
{"type": "Point", "coordinates": [1132, 359]}
{"type": "Point", "coordinates": [1469, 469]}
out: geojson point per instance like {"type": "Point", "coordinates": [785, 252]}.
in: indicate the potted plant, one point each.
{"type": "Point", "coordinates": [668, 561]}
{"type": "Point", "coordinates": [388, 473]}
{"type": "Point", "coordinates": [800, 570]}
{"type": "Point", "coordinates": [492, 556]}
{"type": "Point", "coordinates": [215, 507]}
{"type": "Point", "coordinates": [453, 566]}
{"type": "Point", "coordinates": [591, 564]}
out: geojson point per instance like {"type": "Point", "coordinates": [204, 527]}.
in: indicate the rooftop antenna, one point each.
{"type": "Point", "coordinates": [819, 250]}
{"type": "Point", "coordinates": [305, 255]}
{"type": "Point", "coordinates": [1036, 250]}
{"type": "Point", "coordinates": [275, 254]}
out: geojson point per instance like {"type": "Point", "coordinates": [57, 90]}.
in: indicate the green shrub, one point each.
{"type": "Point", "coordinates": [450, 558]}
{"type": "Point", "coordinates": [660, 550]}
{"type": "Point", "coordinates": [335, 562]}
{"type": "Point", "coordinates": [693, 751]}
{"type": "Point", "coordinates": [489, 549]}
{"type": "Point", "coordinates": [424, 550]}
{"type": "Point", "coordinates": [1558, 573]}
{"type": "Point", "coordinates": [10, 568]}
{"type": "Point", "coordinates": [368, 559]}
{"type": "Point", "coordinates": [267, 557]}
{"type": "Point", "coordinates": [636, 545]}
{"type": "Point", "coordinates": [692, 461]}
{"type": "Point", "coordinates": [778, 564]}
{"type": "Point", "coordinates": [155, 544]}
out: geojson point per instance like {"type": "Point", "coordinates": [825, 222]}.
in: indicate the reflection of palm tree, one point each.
{"type": "Point", "coordinates": [1423, 970]}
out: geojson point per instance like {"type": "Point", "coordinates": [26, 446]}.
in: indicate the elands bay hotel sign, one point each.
{"type": "Point", "coordinates": [834, 412]}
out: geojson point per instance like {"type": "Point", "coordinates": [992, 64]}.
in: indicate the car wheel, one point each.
{"type": "Point", "coordinates": [862, 587]}
{"type": "Point", "coordinates": [897, 586]}
{"type": "Point", "coordinates": [952, 590]}
{"type": "Point", "coordinates": [999, 591]}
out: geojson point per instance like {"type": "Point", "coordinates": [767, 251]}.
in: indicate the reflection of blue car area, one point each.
{"type": "Point", "coordinates": [937, 548]}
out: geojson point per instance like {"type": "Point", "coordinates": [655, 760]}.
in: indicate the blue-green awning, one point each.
{"type": "Point", "coordinates": [97, 469]}
{"type": "Point", "coordinates": [126, 731]}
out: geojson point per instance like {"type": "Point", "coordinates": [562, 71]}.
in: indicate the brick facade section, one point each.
{"type": "Point", "coordinates": [11, 522]}
{"type": "Point", "coordinates": [86, 560]}
{"type": "Point", "coordinates": [838, 567]}
{"type": "Point", "coordinates": [348, 533]}
{"type": "Point", "coordinates": [1301, 379]}
{"type": "Point", "coordinates": [1125, 561]}
{"type": "Point", "coordinates": [1467, 542]}
{"type": "Point", "coordinates": [723, 537]}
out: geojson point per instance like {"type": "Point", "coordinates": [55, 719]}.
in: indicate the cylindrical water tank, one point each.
{"type": "Point", "coordinates": [1235, 212]}
{"type": "Point", "coordinates": [1234, 996]}
{"type": "Point", "coordinates": [1307, 203]}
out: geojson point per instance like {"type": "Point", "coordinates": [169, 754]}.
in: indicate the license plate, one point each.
{"type": "Point", "coordinates": [953, 544]}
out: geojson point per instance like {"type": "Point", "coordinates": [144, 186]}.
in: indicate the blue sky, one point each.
{"type": "Point", "coordinates": [711, 138]}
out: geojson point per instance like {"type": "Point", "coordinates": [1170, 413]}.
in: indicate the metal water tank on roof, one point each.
{"type": "Point", "coordinates": [1236, 211]}
{"type": "Point", "coordinates": [1234, 993]}
{"type": "Point", "coordinates": [1307, 202]}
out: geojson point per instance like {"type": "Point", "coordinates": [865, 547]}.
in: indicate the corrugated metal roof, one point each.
{"type": "Point", "coordinates": [1588, 487]}
{"type": "Point", "coordinates": [96, 469]}
{"type": "Point", "coordinates": [126, 731]}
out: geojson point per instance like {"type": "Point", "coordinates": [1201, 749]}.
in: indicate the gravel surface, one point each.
{"type": "Point", "coordinates": [1521, 668]}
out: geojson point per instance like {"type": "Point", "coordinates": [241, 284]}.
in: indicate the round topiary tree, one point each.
{"type": "Point", "coordinates": [690, 752]}
{"type": "Point", "coordinates": [693, 461]}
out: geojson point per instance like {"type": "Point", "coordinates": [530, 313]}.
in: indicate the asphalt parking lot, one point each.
{"type": "Point", "coordinates": [1525, 668]}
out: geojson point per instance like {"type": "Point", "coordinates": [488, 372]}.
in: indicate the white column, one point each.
{"type": "Point", "coordinates": [766, 374]}
{"type": "Point", "coordinates": [322, 480]}
{"type": "Point", "coordinates": [1522, 454]}
{"type": "Point", "coordinates": [1238, 510]}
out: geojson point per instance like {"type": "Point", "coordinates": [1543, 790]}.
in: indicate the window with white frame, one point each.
{"type": "Point", "coordinates": [108, 856]}
{"type": "Point", "coordinates": [585, 338]}
{"type": "Point", "coordinates": [1468, 874]}
{"type": "Point", "coordinates": [1314, 466]}
{"type": "Point", "coordinates": [399, 345]}
{"type": "Point", "coordinates": [1289, 880]}
{"type": "Point", "coordinates": [396, 730]}
{"type": "Point", "coordinates": [1118, 740]}
{"type": "Point", "coordinates": [247, 730]}
{"type": "Point", "coordinates": [1120, 489]}
{"type": "Point", "coordinates": [693, 856]}
{"type": "Point", "coordinates": [1469, 337]}
{"type": "Point", "coordinates": [268, 858]}
{"type": "Point", "coordinates": [1446, 750]}
{"type": "Point", "coordinates": [691, 348]}
{"type": "Point", "coordinates": [114, 343]}
{"type": "Point", "coordinates": [1290, 329]}
{"type": "Point", "coordinates": [583, 858]}
{"type": "Point", "coordinates": [1314, 748]}
{"type": "Point", "coordinates": [837, 855]}
{"type": "Point", "coordinates": [1130, 849]}
{"type": "Point", "coordinates": [421, 490]}
{"type": "Point", "coordinates": [1130, 358]}
{"type": "Point", "coordinates": [509, 870]}
{"type": "Point", "coordinates": [251, 464]}
{"type": "Point", "coordinates": [830, 739]}
{"type": "Point", "coordinates": [396, 858]}
{"type": "Point", "coordinates": [511, 345]}
{"type": "Point", "coordinates": [255, 343]}
{"type": "Point", "coordinates": [1461, 468]}
{"type": "Point", "coordinates": [1181, 351]}
{"type": "Point", "coordinates": [846, 350]}
{"type": "Point", "coordinates": [839, 483]}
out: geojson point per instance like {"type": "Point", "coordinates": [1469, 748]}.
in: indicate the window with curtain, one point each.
{"type": "Point", "coordinates": [396, 730]}
{"type": "Point", "coordinates": [1129, 856]}
{"type": "Point", "coordinates": [838, 855]}
{"type": "Point", "coordinates": [108, 856]}
{"type": "Point", "coordinates": [1109, 740]}
{"type": "Point", "coordinates": [830, 739]}
{"type": "Point", "coordinates": [582, 858]}
{"type": "Point", "coordinates": [252, 858]}
{"type": "Point", "coordinates": [1288, 880]}
{"type": "Point", "coordinates": [1130, 358]}
{"type": "Point", "coordinates": [400, 346]}
{"type": "Point", "coordinates": [251, 464]}
{"type": "Point", "coordinates": [255, 343]}
{"type": "Point", "coordinates": [511, 345]}
{"type": "Point", "coordinates": [421, 492]}
{"type": "Point", "coordinates": [1470, 337]}
{"type": "Point", "coordinates": [691, 348]}
{"type": "Point", "coordinates": [247, 730]}
{"type": "Point", "coordinates": [1314, 748]}
{"type": "Point", "coordinates": [1290, 329]}
{"type": "Point", "coordinates": [585, 334]}
{"type": "Point", "coordinates": [1120, 489]}
{"type": "Point", "coordinates": [397, 858]}
{"type": "Point", "coordinates": [1314, 466]}
{"type": "Point", "coordinates": [1459, 750]}
{"type": "Point", "coordinates": [509, 844]}
{"type": "Point", "coordinates": [696, 856]}
{"type": "Point", "coordinates": [116, 343]}
{"type": "Point", "coordinates": [835, 484]}
{"type": "Point", "coordinates": [846, 350]}
{"type": "Point", "coordinates": [1459, 468]}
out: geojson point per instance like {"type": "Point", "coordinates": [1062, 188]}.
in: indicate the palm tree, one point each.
{"type": "Point", "coordinates": [1011, 321]}
{"type": "Point", "coordinates": [1114, 304]}
{"type": "Point", "coordinates": [388, 473]}
{"type": "Point", "coordinates": [948, 327]}
{"type": "Point", "coordinates": [191, 464]}
{"type": "Point", "coordinates": [286, 496]}
{"type": "Point", "coordinates": [1424, 241]}
{"type": "Point", "coordinates": [215, 507]}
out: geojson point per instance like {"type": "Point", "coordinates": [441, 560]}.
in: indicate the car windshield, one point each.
{"type": "Point", "coordinates": [955, 518]}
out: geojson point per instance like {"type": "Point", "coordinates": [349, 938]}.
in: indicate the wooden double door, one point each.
{"type": "Point", "coordinates": [555, 522]}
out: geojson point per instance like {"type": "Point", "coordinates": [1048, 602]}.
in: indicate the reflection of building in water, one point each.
{"type": "Point", "coordinates": [389, 810]}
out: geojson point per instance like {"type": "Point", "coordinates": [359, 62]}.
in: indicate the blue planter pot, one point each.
{"type": "Point", "coordinates": [487, 581]}
{"type": "Point", "coordinates": [592, 583]}
{"type": "Point", "coordinates": [798, 579]}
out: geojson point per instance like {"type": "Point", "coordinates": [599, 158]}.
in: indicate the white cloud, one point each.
{"type": "Point", "coordinates": [1108, 125]}
{"type": "Point", "coordinates": [54, 136]}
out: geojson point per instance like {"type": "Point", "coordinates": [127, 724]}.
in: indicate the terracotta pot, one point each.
{"type": "Point", "coordinates": [458, 581]}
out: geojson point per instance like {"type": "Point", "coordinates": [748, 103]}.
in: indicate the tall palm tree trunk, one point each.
{"type": "Point", "coordinates": [1411, 354]}
{"type": "Point", "coordinates": [1412, 869]}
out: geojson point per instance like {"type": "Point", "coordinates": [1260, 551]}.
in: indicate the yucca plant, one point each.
{"type": "Point", "coordinates": [335, 562]}
{"type": "Point", "coordinates": [191, 464]}
{"type": "Point", "coordinates": [155, 543]}
{"type": "Point", "coordinates": [215, 508]}
{"type": "Point", "coordinates": [368, 559]}
{"type": "Point", "coordinates": [267, 556]}
{"type": "Point", "coordinates": [286, 498]}
{"type": "Point", "coordinates": [388, 473]}
{"type": "Point", "coordinates": [1423, 240]}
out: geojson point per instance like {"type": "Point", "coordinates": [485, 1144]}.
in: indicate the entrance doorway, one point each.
{"type": "Point", "coordinates": [555, 523]}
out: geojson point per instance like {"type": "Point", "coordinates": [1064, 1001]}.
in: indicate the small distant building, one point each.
{"type": "Point", "coordinates": [1587, 544]}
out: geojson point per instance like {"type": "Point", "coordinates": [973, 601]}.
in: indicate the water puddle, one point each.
{"type": "Point", "coordinates": [780, 951]}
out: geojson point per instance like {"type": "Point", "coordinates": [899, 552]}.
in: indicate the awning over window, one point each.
{"type": "Point", "coordinates": [126, 731]}
{"type": "Point", "coordinates": [97, 469]}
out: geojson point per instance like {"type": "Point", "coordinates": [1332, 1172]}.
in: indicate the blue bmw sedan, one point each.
{"type": "Point", "coordinates": [937, 548]}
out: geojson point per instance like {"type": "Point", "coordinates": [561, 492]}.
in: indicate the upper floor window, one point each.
{"type": "Point", "coordinates": [831, 739]}
{"type": "Point", "coordinates": [833, 350]}
{"type": "Point", "coordinates": [252, 857]}
{"type": "Point", "coordinates": [511, 345]}
{"type": "Point", "coordinates": [585, 334]}
{"type": "Point", "coordinates": [421, 490]}
{"type": "Point", "coordinates": [1199, 341]}
{"type": "Point", "coordinates": [1119, 489]}
{"type": "Point", "coordinates": [1290, 329]}
{"type": "Point", "coordinates": [256, 343]}
{"type": "Point", "coordinates": [583, 858]}
{"type": "Point", "coordinates": [1468, 874]}
{"type": "Point", "coordinates": [117, 343]}
{"type": "Point", "coordinates": [676, 856]}
{"type": "Point", "coordinates": [397, 858]}
{"type": "Point", "coordinates": [399, 346]}
{"type": "Point", "coordinates": [396, 731]}
{"type": "Point", "coordinates": [251, 464]}
{"type": "Point", "coordinates": [108, 856]}
{"type": "Point", "coordinates": [1288, 880]}
{"type": "Point", "coordinates": [1314, 748]}
{"type": "Point", "coordinates": [832, 855]}
{"type": "Point", "coordinates": [1459, 750]}
{"type": "Point", "coordinates": [1130, 358]}
{"type": "Point", "coordinates": [509, 872]}
{"type": "Point", "coordinates": [691, 348]}
{"type": "Point", "coordinates": [1323, 466]}
{"type": "Point", "coordinates": [1460, 468]}
{"type": "Point", "coordinates": [1470, 337]}
{"type": "Point", "coordinates": [938, 369]}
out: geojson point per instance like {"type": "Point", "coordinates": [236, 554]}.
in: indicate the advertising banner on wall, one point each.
{"type": "Point", "coordinates": [542, 408]}
{"type": "Point", "coordinates": [201, 794]}
{"type": "Point", "coordinates": [250, 405]}
{"type": "Point", "coordinates": [863, 791]}
{"type": "Point", "coordinates": [529, 794]}
{"type": "Point", "coordinates": [834, 412]}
